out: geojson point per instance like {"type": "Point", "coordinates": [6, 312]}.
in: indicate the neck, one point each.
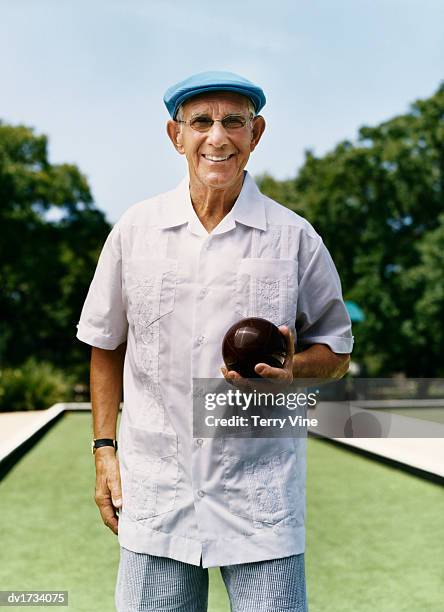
{"type": "Point", "coordinates": [212, 205]}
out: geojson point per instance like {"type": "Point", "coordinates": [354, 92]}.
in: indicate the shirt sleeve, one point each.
{"type": "Point", "coordinates": [322, 316]}
{"type": "Point", "coordinates": [103, 321]}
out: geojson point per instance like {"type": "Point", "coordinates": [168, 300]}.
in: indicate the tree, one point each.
{"type": "Point", "coordinates": [425, 329]}
{"type": "Point", "coordinates": [46, 265]}
{"type": "Point", "coordinates": [377, 205]}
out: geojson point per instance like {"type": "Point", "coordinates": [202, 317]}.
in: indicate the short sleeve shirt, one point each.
{"type": "Point", "coordinates": [170, 289]}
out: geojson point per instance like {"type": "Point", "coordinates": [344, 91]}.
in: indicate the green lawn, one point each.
{"type": "Point", "coordinates": [375, 536]}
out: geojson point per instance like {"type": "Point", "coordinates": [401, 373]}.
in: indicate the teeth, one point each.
{"type": "Point", "coordinates": [216, 159]}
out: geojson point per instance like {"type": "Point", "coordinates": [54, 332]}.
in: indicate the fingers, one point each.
{"type": "Point", "coordinates": [110, 519]}
{"type": "Point", "coordinates": [284, 374]}
{"type": "Point", "coordinates": [115, 488]}
{"type": "Point", "coordinates": [235, 379]}
{"type": "Point", "coordinates": [288, 333]}
{"type": "Point", "coordinates": [267, 371]}
{"type": "Point", "coordinates": [271, 378]}
{"type": "Point", "coordinates": [230, 375]}
{"type": "Point", "coordinates": [288, 363]}
{"type": "Point", "coordinates": [107, 510]}
{"type": "Point", "coordinates": [108, 494]}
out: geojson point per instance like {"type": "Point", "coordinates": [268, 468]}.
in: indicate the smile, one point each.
{"type": "Point", "coordinates": [215, 158]}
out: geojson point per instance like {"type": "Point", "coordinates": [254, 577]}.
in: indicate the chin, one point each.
{"type": "Point", "coordinates": [217, 180]}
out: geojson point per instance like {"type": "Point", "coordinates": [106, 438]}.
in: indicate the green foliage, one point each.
{"type": "Point", "coordinates": [45, 266]}
{"type": "Point", "coordinates": [281, 191]}
{"type": "Point", "coordinates": [378, 205]}
{"type": "Point", "coordinates": [425, 329]}
{"type": "Point", "coordinates": [33, 386]}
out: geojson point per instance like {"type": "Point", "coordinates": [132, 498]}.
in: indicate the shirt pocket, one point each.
{"type": "Point", "coordinates": [267, 288]}
{"type": "Point", "coordinates": [260, 482]}
{"type": "Point", "coordinates": [153, 468]}
{"type": "Point", "coordinates": [150, 290]}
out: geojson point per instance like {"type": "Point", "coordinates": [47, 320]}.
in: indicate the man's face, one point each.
{"type": "Point", "coordinates": [216, 158]}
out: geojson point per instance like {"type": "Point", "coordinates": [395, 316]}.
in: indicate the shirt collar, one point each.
{"type": "Point", "coordinates": [249, 208]}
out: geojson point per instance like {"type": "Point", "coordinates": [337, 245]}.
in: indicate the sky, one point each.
{"type": "Point", "coordinates": [91, 76]}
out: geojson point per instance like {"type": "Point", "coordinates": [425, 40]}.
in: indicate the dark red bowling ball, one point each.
{"type": "Point", "coordinates": [251, 341]}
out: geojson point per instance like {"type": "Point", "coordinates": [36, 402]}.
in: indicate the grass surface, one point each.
{"type": "Point", "coordinates": [375, 536]}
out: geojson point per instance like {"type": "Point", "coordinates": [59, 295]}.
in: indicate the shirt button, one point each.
{"type": "Point", "coordinates": [199, 442]}
{"type": "Point", "coordinates": [203, 292]}
{"type": "Point", "coordinates": [201, 493]}
{"type": "Point", "coordinates": [200, 339]}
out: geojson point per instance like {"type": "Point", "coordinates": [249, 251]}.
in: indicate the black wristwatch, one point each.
{"type": "Point", "coordinates": [98, 443]}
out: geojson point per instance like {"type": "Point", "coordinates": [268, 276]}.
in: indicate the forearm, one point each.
{"type": "Point", "coordinates": [106, 382]}
{"type": "Point", "coordinates": [318, 361]}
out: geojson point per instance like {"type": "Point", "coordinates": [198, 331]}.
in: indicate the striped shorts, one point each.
{"type": "Point", "coordinates": [158, 584]}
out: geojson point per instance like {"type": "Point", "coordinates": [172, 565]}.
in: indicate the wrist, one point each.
{"type": "Point", "coordinates": [104, 450]}
{"type": "Point", "coordinates": [102, 444]}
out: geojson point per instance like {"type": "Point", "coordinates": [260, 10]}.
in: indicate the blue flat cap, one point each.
{"type": "Point", "coordinates": [213, 80]}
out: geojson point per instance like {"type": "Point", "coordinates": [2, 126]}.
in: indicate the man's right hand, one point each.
{"type": "Point", "coordinates": [108, 494]}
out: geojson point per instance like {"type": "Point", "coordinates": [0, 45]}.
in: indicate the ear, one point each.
{"type": "Point", "coordinates": [257, 131]}
{"type": "Point", "coordinates": [175, 134]}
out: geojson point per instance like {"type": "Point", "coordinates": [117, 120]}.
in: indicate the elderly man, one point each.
{"type": "Point", "coordinates": [175, 273]}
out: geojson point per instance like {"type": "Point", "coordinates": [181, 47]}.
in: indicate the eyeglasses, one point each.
{"type": "Point", "coordinates": [203, 123]}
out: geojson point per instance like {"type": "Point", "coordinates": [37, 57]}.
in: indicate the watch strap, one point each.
{"type": "Point", "coordinates": [98, 443]}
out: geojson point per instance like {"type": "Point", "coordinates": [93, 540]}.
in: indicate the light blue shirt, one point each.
{"type": "Point", "coordinates": [171, 290]}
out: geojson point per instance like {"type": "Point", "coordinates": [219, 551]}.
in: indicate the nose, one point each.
{"type": "Point", "coordinates": [217, 135]}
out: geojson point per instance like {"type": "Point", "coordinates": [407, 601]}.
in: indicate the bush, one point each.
{"type": "Point", "coordinates": [33, 386]}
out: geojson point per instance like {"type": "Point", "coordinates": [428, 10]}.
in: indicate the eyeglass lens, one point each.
{"type": "Point", "coordinates": [203, 123]}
